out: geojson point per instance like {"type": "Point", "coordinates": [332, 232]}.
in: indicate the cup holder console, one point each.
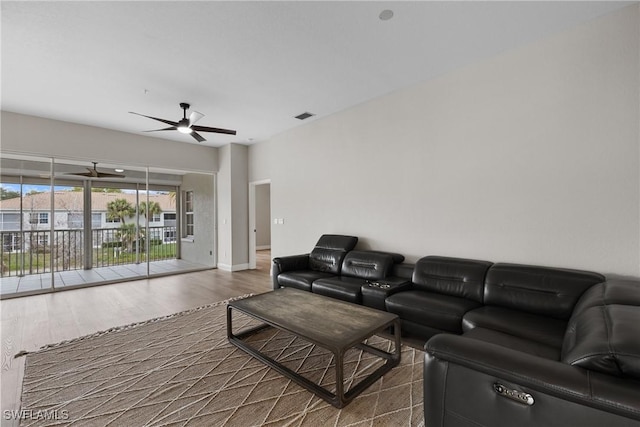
{"type": "Point", "coordinates": [378, 285]}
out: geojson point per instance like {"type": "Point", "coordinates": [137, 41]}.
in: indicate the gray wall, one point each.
{"type": "Point", "coordinates": [531, 156]}
{"type": "Point", "coordinates": [52, 138]}
{"type": "Point", "coordinates": [263, 216]}
{"type": "Point", "coordinates": [201, 249]}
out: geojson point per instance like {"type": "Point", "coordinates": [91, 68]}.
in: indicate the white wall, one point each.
{"type": "Point", "coordinates": [200, 250]}
{"type": "Point", "coordinates": [233, 208]}
{"type": "Point", "coordinates": [531, 156]}
{"type": "Point", "coordinates": [52, 138]}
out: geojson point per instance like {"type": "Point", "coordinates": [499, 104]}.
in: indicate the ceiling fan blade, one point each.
{"type": "Point", "coordinates": [216, 130]}
{"type": "Point", "coordinates": [194, 117]}
{"type": "Point", "coordinates": [158, 130]}
{"type": "Point", "coordinates": [197, 136]}
{"type": "Point", "coordinates": [109, 175]}
{"type": "Point", "coordinates": [169, 122]}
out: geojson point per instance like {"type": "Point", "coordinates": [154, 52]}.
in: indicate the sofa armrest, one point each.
{"type": "Point", "coordinates": [288, 263]}
{"type": "Point", "coordinates": [557, 388]}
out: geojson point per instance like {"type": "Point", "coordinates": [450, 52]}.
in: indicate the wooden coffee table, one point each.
{"type": "Point", "coordinates": [329, 323]}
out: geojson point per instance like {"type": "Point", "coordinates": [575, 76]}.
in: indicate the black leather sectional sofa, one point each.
{"type": "Point", "coordinates": [506, 344]}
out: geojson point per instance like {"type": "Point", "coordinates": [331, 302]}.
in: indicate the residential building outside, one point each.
{"type": "Point", "coordinates": [26, 225]}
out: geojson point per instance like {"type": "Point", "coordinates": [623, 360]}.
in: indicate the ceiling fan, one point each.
{"type": "Point", "coordinates": [187, 126]}
{"type": "Point", "coordinates": [95, 173]}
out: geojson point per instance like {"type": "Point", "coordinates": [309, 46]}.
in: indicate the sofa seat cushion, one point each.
{"type": "Point", "coordinates": [342, 288]}
{"type": "Point", "coordinates": [301, 279]}
{"type": "Point", "coordinates": [442, 312]}
{"type": "Point", "coordinates": [515, 343]}
{"type": "Point", "coordinates": [541, 329]}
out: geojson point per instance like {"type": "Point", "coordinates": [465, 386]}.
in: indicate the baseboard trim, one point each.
{"type": "Point", "coordinates": [235, 267]}
{"type": "Point", "coordinates": [263, 247]}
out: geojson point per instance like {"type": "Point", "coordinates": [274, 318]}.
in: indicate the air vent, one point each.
{"type": "Point", "coordinates": [304, 116]}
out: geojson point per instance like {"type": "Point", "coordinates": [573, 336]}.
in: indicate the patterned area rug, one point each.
{"type": "Point", "coordinates": [180, 370]}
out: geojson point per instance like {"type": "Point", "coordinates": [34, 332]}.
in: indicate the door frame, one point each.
{"type": "Point", "coordinates": [252, 220]}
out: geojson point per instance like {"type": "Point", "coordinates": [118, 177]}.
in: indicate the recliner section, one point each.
{"type": "Point", "coordinates": [567, 338]}
{"type": "Point", "coordinates": [442, 290]}
{"type": "Point", "coordinates": [325, 260]}
{"type": "Point", "coordinates": [358, 268]}
{"type": "Point", "coordinates": [590, 378]}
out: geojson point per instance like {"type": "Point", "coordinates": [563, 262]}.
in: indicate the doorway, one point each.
{"type": "Point", "coordinates": [259, 220]}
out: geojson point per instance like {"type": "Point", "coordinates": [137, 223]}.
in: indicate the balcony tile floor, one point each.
{"type": "Point", "coordinates": [68, 279]}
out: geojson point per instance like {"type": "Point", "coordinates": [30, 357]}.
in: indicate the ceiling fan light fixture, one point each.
{"type": "Point", "coordinates": [186, 125]}
{"type": "Point", "coordinates": [183, 126]}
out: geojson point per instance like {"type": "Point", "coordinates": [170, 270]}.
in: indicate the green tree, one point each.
{"type": "Point", "coordinates": [105, 190]}
{"type": "Point", "coordinates": [120, 209]}
{"type": "Point", "coordinates": [127, 235]}
{"type": "Point", "coordinates": [153, 209]}
{"type": "Point", "coordinates": [8, 194]}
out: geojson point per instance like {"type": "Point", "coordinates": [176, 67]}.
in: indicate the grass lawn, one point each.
{"type": "Point", "coordinates": [102, 257]}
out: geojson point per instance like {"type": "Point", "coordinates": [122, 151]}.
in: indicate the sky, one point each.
{"type": "Point", "coordinates": [27, 188]}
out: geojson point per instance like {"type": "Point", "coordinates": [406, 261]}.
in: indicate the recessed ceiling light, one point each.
{"type": "Point", "coordinates": [119, 170]}
{"type": "Point", "coordinates": [386, 14]}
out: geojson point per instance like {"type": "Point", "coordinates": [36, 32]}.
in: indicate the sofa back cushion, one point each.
{"type": "Point", "coordinates": [329, 252]}
{"type": "Point", "coordinates": [457, 277]}
{"type": "Point", "coordinates": [539, 290]}
{"type": "Point", "coordinates": [605, 338]}
{"type": "Point", "coordinates": [367, 265]}
{"type": "Point", "coordinates": [626, 292]}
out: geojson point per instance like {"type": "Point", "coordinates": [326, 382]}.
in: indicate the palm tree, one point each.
{"type": "Point", "coordinates": [153, 209]}
{"type": "Point", "coordinates": [127, 235]}
{"type": "Point", "coordinates": [120, 209]}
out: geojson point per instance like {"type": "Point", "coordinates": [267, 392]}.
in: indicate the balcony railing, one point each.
{"type": "Point", "coordinates": [34, 252]}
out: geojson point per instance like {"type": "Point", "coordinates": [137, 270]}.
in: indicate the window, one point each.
{"type": "Point", "coordinates": [96, 220]}
{"type": "Point", "coordinates": [111, 219]}
{"type": "Point", "coordinates": [11, 242]}
{"type": "Point", "coordinates": [75, 220]}
{"type": "Point", "coordinates": [39, 218]}
{"type": "Point", "coordinates": [188, 214]}
{"type": "Point", "coordinates": [9, 221]}
{"type": "Point", "coordinates": [42, 239]}
{"type": "Point", "coordinates": [169, 236]}
{"type": "Point", "coordinates": [169, 217]}
{"type": "Point", "coordinates": [156, 217]}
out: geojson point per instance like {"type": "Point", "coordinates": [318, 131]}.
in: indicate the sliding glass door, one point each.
{"type": "Point", "coordinates": [67, 223]}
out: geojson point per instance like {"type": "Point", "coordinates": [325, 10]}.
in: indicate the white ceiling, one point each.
{"type": "Point", "coordinates": [249, 66]}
